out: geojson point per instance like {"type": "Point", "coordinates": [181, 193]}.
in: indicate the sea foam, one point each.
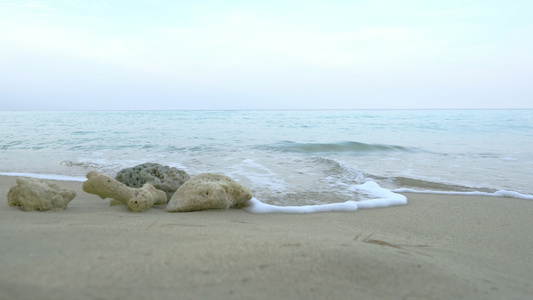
{"type": "Point", "coordinates": [46, 176]}
{"type": "Point", "coordinates": [383, 198]}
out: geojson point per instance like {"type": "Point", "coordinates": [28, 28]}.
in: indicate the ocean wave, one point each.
{"type": "Point", "coordinates": [350, 147]}
{"type": "Point", "coordinates": [84, 165]}
{"type": "Point", "coordinates": [340, 172]}
{"type": "Point", "coordinates": [82, 132]}
{"type": "Point", "coordinates": [500, 193]}
{"type": "Point", "coordinates": [190, 149]}
{"type": "Point", "coordinates": [425, 184]}
{"type": "Point", "coordinates": [377, 197]}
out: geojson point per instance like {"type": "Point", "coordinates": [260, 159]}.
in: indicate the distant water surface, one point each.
{"type": "Point", "coordinates": [292, 157]}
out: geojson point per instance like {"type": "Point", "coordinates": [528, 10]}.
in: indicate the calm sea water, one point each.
{"type": "Point", "coordinates": [286, 157]}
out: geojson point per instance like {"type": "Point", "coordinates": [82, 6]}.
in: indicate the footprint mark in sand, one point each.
{"type": "Point", "coordinates": [370, 240]}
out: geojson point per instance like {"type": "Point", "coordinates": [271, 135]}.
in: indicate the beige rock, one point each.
{"type": "Point", "coordinates": [208, 191]}
{"type": "Point", "coordinates": [38, 194]}
{"type": "Point", "coordinates": [137, 199]}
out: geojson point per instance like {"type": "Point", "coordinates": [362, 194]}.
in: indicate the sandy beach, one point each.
{"type": "Point", "coordinates": [435, 247]}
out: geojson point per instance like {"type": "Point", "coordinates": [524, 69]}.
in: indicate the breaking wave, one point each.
{"type": "Point", "coordinates": [349, 147]}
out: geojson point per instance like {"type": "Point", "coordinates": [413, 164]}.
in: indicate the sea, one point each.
{"type": "Point", "coordinates": [287, 157]}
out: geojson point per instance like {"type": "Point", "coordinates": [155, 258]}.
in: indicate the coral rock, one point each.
{"type": "Point", "coordinates": [208, 191]}
{"type": "Point", "coordinates": [164, 178]}
{"type": "Point", "coordinates": [137, 199]}
{"type": "Point", "coordinates": [38, 194]}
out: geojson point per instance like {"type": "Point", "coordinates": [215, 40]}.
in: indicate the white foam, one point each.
{"type": "Point", "coordinates": [384, 198]}
{"type": "Point", "coordinates": [258, 174]}
{"type": "Point", "coordinates": [501, 193]}
{"type": "Point", "coordinates": [46, 176]}
{"type": "Point", "coordinates": [257, 207]}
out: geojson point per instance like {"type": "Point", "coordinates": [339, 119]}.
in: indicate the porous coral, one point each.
{"type": "Point", "coordinates": [165, 178]}
{"type": "Point", "coordinates": [39, 194]}
{"type": "Point", "coordinates": [137, 199]}
{"type": "Point", "coordinates": [208, 191]}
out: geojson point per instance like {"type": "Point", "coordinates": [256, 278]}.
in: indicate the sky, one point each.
{"type": "Point", "coordinates": [275, 54]}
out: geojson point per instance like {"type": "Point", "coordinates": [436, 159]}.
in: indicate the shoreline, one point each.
{"type": "Point", "coordinates": [435, 247]}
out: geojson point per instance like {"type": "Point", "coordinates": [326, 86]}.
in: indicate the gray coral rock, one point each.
{"type": "Point", "coordinates": [208, 191]}
{"type": "Point", "coordinates": [38, 194]}
{"type": "Point", "coordinates": [164, 178]}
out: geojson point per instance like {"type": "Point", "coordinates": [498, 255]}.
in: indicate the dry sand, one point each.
{"type": "Point", "coordinates": [435, 247]}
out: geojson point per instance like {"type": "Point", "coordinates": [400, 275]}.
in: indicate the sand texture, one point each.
{"type": "Point", "coordinates": [435, 247]}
